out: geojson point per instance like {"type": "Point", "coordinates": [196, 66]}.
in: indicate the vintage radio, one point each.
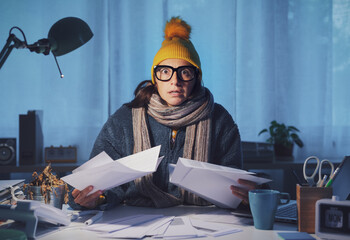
{"type": "Point", "coordinates": [61, 154]}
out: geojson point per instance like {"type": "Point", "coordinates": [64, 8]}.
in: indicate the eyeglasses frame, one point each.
{"type": "Point", "coordinates": [176, 70]}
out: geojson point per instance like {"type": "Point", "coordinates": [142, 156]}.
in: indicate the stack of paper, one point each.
{"type": "Point", "coordinates": [211, 182]}
{"type": "Point", "coordinates": [104, 173]}
{"type": "Point", "coordinates": [159, 226]}
{"type": "Point", "coordinates": [135, 226]}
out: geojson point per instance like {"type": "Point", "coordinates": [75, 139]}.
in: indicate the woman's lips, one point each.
{"type": "Point", "coordinates": [175, 93]}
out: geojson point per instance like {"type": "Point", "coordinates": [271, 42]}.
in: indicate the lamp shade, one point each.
{"type": "Point", "coordinates": [68, 34]}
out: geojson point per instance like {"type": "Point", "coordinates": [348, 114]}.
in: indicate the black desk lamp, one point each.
{"type": "Point", "coordinates": [64, 36]}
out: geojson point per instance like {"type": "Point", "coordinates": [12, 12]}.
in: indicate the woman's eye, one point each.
{"type": "Point", "coordinates": [165, 71]}
{"type": "Point", "coordinates": [186, 72]}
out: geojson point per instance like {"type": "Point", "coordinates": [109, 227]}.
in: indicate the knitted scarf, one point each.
{"type": "Point", "coordinates": [195, 115]}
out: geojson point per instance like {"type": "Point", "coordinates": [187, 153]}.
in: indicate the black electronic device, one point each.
{"type": "Point", "coordinates": [61, 154]}
{"type": "Point", "coordinates": [8, 151]}
{"type": "Point", "coordinates": [333, 219]}
{"type": "Point", "coordinates": [30, 138]}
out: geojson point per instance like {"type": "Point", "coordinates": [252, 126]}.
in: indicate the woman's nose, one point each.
{"type": "Point", "coordinates": [174, 79]}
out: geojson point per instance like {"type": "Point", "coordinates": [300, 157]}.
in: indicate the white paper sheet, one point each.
{"type": "Point", "coordinates": [104, 173]}
{"type": "Point", "coordinates": [122, 223]}
{"type": "Point", "coordinates": [159, 229]}
{"type": "Point", "coordinates": [223, 216]}
{"type": "Point", "coordinates": [211, 182]}
{"type": "Point", "coordinates": [214, 229]}
{"type": "Point", "coordinates": [181, 227]}
{"type": "Point", "coordinates": [136, 231]}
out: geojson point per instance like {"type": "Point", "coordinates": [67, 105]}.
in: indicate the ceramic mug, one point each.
{"type": "Point", "coordinates": [263, 205]}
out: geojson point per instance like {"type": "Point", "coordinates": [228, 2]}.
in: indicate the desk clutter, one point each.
{"type": "Point", "coordinates": [151, 222]}
{"type": "Point", "coordinates": [306, 200]}
{"type": "Point", "coordinates": [160, 226]}
{"type": "Point", "coordinates": [131, 225]}
{"type": "Point", "coordinates": [44, 194]}
{"type": "Point", "coordinates": [44, 187]}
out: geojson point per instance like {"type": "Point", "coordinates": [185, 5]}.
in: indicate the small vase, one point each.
{"type": "Point", "coordinates": [54, 198]}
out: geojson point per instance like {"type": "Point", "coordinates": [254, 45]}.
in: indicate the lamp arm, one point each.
{"type": "Point", "coordinates": [6, 50]}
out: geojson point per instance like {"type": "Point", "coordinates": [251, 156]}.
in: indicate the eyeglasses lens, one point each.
{"type": "Point", "coordinates": [185, 73]}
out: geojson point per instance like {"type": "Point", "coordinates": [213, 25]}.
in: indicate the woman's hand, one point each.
{"type": "Point", "coordinates": [81, 198]}
{"type": "Point", "coordinates": [242, 193]}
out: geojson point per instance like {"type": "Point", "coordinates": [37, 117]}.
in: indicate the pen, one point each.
{"type": "Point", "coordinates": [331, 179]}
{"type": "Point", "coordinates": [94, 218]}
{"type": "Point", "coordinates": [322, 181]}
{"type": "Point", "coordinates": [76, 214]}
{"type": "Point", "coordinates": [297, 178]}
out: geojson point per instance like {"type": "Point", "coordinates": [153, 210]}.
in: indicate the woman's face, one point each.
{"type": "Point", "coordinates": [175, 91]}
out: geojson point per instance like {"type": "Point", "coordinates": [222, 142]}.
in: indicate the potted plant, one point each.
{"type": "Point", "coordinates": [283, 138]}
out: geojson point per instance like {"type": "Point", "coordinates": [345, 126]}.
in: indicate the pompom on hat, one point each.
{"type": "Point", "coordinates": [177, 44]}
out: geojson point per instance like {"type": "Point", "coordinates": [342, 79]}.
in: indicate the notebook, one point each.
{"type": "Point", "coordinates": [285, 213]}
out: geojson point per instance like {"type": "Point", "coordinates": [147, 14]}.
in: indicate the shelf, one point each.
{"type": "Point", "coordinates": [61, 168]}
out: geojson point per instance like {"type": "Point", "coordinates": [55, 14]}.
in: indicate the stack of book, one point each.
{"type": "Point", "coordinates": [5, 189]}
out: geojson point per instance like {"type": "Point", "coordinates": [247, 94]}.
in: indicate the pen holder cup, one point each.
{"type": "Point", "coordinates": [306, 200]}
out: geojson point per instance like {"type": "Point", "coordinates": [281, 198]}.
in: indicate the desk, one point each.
{"type": "Point", "coordinates": [249, 232]}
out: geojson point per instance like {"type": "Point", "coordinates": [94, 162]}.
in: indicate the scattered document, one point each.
{"type": "Point", "coordinates": [104, 173]}
{"type": "Point", "coordinates": [222, 216]}
{"type": "Point", "coordinates": [137, 231]}
{"type": "Point", "coordinates": [159, 226]}
{"type": "Point", "coordinates": [181, 227]}
{"type": "Point", "coordinates": [214, 229]}
{"type": "Point", "coordinates": [159, 229]}
{"type": "Point", "coordinates": [122, 223]}
{"type": "Point", "coordinates": [43, 212]}
{"type": "Point", "coordinates": [211, 182]}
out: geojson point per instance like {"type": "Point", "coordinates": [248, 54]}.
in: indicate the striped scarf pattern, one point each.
{"type": "Point", "coordinates": [195, 115]}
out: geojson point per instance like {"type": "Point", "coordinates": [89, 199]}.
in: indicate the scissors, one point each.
{"type": "Point", "coordinates": [310, 179]}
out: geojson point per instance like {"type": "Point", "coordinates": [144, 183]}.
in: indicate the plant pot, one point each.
{"type": "Point", "coordinates": [55, 199]}
{"type": "Point", "coordinates": [283, 151]}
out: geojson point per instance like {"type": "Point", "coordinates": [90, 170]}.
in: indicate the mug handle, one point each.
{"type": "Point", "coordinates": [284, 196]}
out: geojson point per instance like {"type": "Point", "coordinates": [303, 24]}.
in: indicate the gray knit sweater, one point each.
{"type": "Point", "coordinates": [116, 139]}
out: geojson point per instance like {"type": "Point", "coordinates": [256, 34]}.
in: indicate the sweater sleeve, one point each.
{"type": "Point", "coordinates": [226, 140]}
{"type": "Point", "coordinates": [115, 139]}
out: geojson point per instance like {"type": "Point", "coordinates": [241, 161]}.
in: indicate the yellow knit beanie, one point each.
{"type": "Point", "coordinates": [177, 44]}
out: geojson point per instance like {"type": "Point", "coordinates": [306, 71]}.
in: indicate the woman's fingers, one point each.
{"type": "Point", "coordinates": [243, 193]}
{"type": "Point", "coordinates": [240, 193]}
{"type": "Point", "coordinates": [75, 193]}
{"type": "Point", "coordinates": [249, 184]}
{"type": "Point", "coordinates": [83, 199]}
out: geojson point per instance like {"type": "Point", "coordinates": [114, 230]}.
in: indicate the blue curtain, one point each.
{"type": "Point", "coordinates": [263, 60]}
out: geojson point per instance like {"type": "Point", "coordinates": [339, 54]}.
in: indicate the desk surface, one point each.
{"type": "Point", "coordinates": [249, 232]}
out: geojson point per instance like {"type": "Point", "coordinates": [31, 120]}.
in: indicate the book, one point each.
{"type": "Point", "coordinates": [104, 173]}
{"type": "Point", "coordinates": [210, 181]}
{"type": "Point", "coordinates": [5, 188]}
{"type": "Point", "coordinates": [295, 236]}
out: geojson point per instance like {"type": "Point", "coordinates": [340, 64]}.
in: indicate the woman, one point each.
{"type": "Point", "coordinates": [175, 111]}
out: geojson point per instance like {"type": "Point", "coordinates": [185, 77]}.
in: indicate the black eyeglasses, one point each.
{"type": "Point", "coordinates": [184, 73]}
